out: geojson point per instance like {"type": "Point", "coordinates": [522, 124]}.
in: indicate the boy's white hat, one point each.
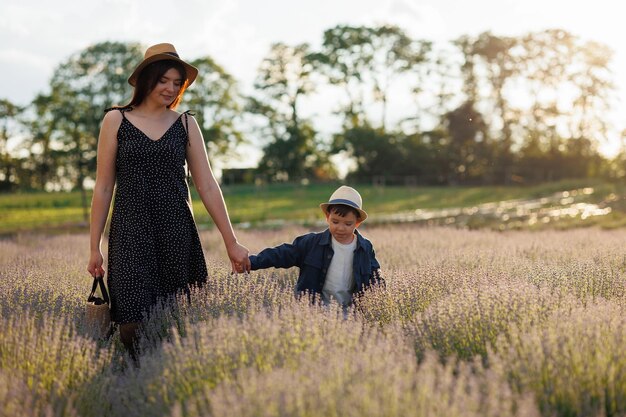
{"type": "Point", "coordinates": [347, 196]}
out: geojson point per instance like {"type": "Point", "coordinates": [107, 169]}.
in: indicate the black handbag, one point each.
{"type": "Point", "coordinates": [97, 312]}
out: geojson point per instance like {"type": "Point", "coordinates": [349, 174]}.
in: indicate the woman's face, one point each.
{"type": "Point", "coordinates": [166, 88]}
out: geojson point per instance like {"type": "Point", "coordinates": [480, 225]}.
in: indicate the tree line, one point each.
{"type": "Point", "coordinates": [483, 109]}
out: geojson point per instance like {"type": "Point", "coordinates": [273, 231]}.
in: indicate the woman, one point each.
{"type": "Point", "coordinates": [154, 248]}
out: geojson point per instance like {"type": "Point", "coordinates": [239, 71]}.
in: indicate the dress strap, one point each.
{"type": "Point", "coordinates": [122, 110]}
{"type": "Point", "coordinates": [187, 113]}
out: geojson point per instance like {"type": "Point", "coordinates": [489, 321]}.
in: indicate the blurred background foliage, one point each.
{"type": "Point", "coordinates": [489, 109]}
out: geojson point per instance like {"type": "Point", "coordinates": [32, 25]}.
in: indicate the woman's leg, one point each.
{"type": "Point", "coordinates": [129, 334]}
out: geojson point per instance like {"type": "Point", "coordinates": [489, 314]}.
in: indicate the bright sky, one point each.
{"type": "Point", "coordinates": [38, 34]}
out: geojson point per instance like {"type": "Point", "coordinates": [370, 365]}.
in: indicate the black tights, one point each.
{"type": "Point", "coordinates": [129, 334]}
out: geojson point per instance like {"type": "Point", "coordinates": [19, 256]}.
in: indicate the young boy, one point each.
{"type": "Point", "coordinates": [335, 263]}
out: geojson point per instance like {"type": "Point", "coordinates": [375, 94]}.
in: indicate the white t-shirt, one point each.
{"type": "Point", "coordinates": [340, 277]}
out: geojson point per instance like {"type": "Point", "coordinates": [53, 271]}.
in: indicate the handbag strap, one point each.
{"type": "Point", "coordinates": [105, 295]}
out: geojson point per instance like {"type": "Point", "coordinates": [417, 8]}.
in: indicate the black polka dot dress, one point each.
{"type": "Point", "coordinates": [154, 248]}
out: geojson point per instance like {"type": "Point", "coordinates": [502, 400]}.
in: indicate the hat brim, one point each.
{"type": "Point", "coordinates": [324, 207]}
{"type": "Point", "coordinates": [192, 72]}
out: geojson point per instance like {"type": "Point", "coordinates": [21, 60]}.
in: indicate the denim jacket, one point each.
{"type": "Point", "coordinates": [312, 253]}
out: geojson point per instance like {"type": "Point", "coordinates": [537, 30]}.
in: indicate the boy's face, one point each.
{"type": "Point", "coordinates": [342, 228]}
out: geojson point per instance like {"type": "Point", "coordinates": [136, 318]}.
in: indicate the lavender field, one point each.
{"type": "Point", "coordinates": [471, 323]}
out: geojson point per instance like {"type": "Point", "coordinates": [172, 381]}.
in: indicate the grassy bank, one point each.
{"type": "Point", "coordinates": [299, 203]}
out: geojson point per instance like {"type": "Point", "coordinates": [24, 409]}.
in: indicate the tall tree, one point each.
{"type": "Point", "coordinates": [215, 100]}
{"type": "Point", "coordinates": [82, 87]}
{"type": "Point", "coordinates": [544, 58]}
{"type": "Point", "coordinates": [469, 72]}
{"type": "Point", "coordinates": [593, 80]}
{"type": "Point", "coordinates": [436, 86]}
{"type": "Point", "coordinates": [394, 54]}
{"type": "Point", "coordinates": [8, 164]}
{"type": "Point", "coordinates": [497, 58]}
{"type": "Point", "coordinates": [284, 78]}
{"type": "Point", "coordinates": [375, 152]}
{"type": "Point", "coordinates": [343, 59]}
{"type": "Point", "coordinates": [44, 158]}
{"type": "Point", "coordinates": [468, 147]}
{"type": "Point", "coordinates": [362, 60]}
{"type": "Point", "coordinates": [556, 64]}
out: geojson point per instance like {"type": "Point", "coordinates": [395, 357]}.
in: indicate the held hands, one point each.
{"type": "Point", "coordinates": [95, 264]}
{"type": "Point", "coordinates": [238, 255]}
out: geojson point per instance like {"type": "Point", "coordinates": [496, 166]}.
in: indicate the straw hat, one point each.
{"type": "Point", "coordinates": [160, 52]}
{"type": "Point", "coordinates": [347, 196]}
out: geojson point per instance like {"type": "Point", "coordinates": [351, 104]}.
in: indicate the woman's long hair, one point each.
{"type": "Point", "coordinates": [150, 76]}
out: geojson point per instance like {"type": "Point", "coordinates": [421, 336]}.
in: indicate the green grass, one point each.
{"type": "Point", "coordinates": [293, 202]}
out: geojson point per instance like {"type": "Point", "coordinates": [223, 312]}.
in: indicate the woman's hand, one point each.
{"type": "Point", "coordinates": [95, 264]}
{"type": "Point", "coordinates": [238, 255]}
